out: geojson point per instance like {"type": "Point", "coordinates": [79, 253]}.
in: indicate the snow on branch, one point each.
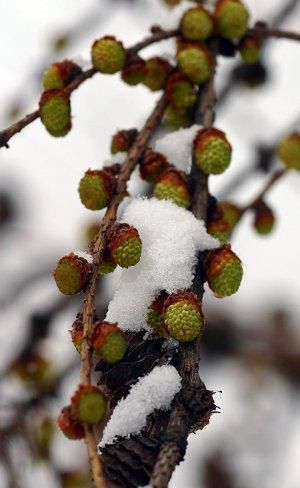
{"type": "Point", "coordinates": [171, 237]}
{"type": "Point", "coordinates": [154, 391]}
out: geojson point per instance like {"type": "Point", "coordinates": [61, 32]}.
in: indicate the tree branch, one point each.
{"type": "Point", "coordinates": [158, 35]}
{"type": "Point", "coordinates": [190, 407]}
{"type": "Point", "coordinates": [134, 154]}
{"type": "Point", "coordinates": [271, 181]}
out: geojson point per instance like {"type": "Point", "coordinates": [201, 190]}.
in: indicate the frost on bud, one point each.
{"type": "Point", "coordinates": [59, 75]}
{"type": "Point", "coordinates": [264, 219]}
{"type": "Point", "coordinates": [96, 189]}
{"type": "Point", "coordinates": [231, 17]}
{"type": "Point", "coordinates": [122, 140]}
{"type": "Point", "coordinates": [108, 55]}
{"type": "Point", "coordinates": [134, 72]}
{"type": "Point", "coordinates": [194, 60]}
{"type": "Point", "coordinates": [183, 316]}
{"type": "Point", "coordinates": [71, 274]}
{"type": "Point", "coordinates": [155, 315]}
{"type": "Point", "coordinates": [125, 245]}
{"type": "Point", "coordinates": [196, 24]}
{"type": "Point", "coordinates": [212, 151]}
{"type": "Point", "coordinates": [108, 342]}
{"type": "Point", "coordinates": [89, 404]}
{"type": "Point", "coordinates": [157, 70]}
{"type": "Point", "coordinates": [152, 165]}
{"type": "Point", "coordinates": [250, 48]}
{"type": "Point", "coordinates": [231, 213]}
{"type": "Point", "coordinates": [224, 272]}
{"type": "Point", "coordinates": [180, 91]}
{"type": "Point", "coordinates": [77, 332]}
{"type": "Point", "coordinates": [289, 151]}
{"type": "Point", "coordinates": [177, 118]}
{"type": "Point", "coordinates": [55, 112]}
{"type": "Point", "coordinates": [69, 424]}
{"type": "Point", "coordinates": [173, 185]}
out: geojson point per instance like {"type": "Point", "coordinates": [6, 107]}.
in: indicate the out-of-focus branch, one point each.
{"type": "Point", "coordinates": [269, 184]}
{"type": "Point", "coordinates": [266, 32]}
{"type": "Point", "coordinates": [7, 134]}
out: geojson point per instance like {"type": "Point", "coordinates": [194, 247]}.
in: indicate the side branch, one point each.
{"type": "Point", "coordinates": [264, 32]}
{"type": "Point", "coordinates": [158, 35]}
{"type": "Point", "coordinates": [97, 248]}
{"type": "Point", "coordinates": [271, 181]}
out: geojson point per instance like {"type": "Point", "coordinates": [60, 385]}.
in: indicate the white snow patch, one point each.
{"type": "Point", "coordinates": [177, 147]}
{"type": "Point", "coordinates": [171, 237]}
{"type": "Point", "coordinates": [85, 255]}
{"type": "Point", "coordinates": [154, 391]}
{"type": "Point", "coordinates": [117, 158]}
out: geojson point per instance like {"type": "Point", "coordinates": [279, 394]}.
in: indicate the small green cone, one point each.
{"type": "Point", "coordinates": [108, 342]}
{"type": "Point", "coordinates": [89, 404]}
{"type": "Point", "coordinates": [183, 316]}
{"type": "Point", "coordinates": [172, 185]}
{"type": "Point", "coordinates": [180, 91]}
{"type": "Point", "coordinates": [194, 60]}
{"type": "Point", "coordinates": [231, 17]}
{"type": "Point", "coordinates": [224, 272]}
{"type": "Point", "coordinates": [289, 151]}
{"type": "Point", "coordinates": [71, 274]}
{"type": "Point", "coordinates": [157, 70]}
{"type": "Point", "coordinates": [55, 112]}
{"type": "Point", "coordinates": [108, 55]}
{"type": "Point", "coordinates": [96, 189]}
{"type": "Point", "coordinates": [125, 245]}
{"type": "Point", "coordinates": [212, 151]}
{"type": "Point", "coordinates": [196, 24]}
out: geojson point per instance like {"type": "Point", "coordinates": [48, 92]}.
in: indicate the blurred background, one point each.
{"type": "Point", "coordinates": [251, 348]}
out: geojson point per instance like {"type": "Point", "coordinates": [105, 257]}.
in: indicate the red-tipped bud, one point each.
{"type": "Point", "coordinates": [125, 245]}
{"type": "Point", "coordinates": [89, 404]}
{"type": "Point", "coordinates": [152, 166]}
{"type": "Point", "coordinates": [71, 274]}
{"type": "Point", "coordinates": [108, 342]}
{"type": "Point", "coordinates": [69, 424]}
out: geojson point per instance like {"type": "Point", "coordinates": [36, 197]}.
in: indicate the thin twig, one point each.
{"type": "Point", "coordinates": [12, 130]}
{"type": "Point", "coordinates": [265, 32]}
{"type": "Point", "coordinates": [134, 154]}
{"type": "Point", "coordinates": [271, 181]}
